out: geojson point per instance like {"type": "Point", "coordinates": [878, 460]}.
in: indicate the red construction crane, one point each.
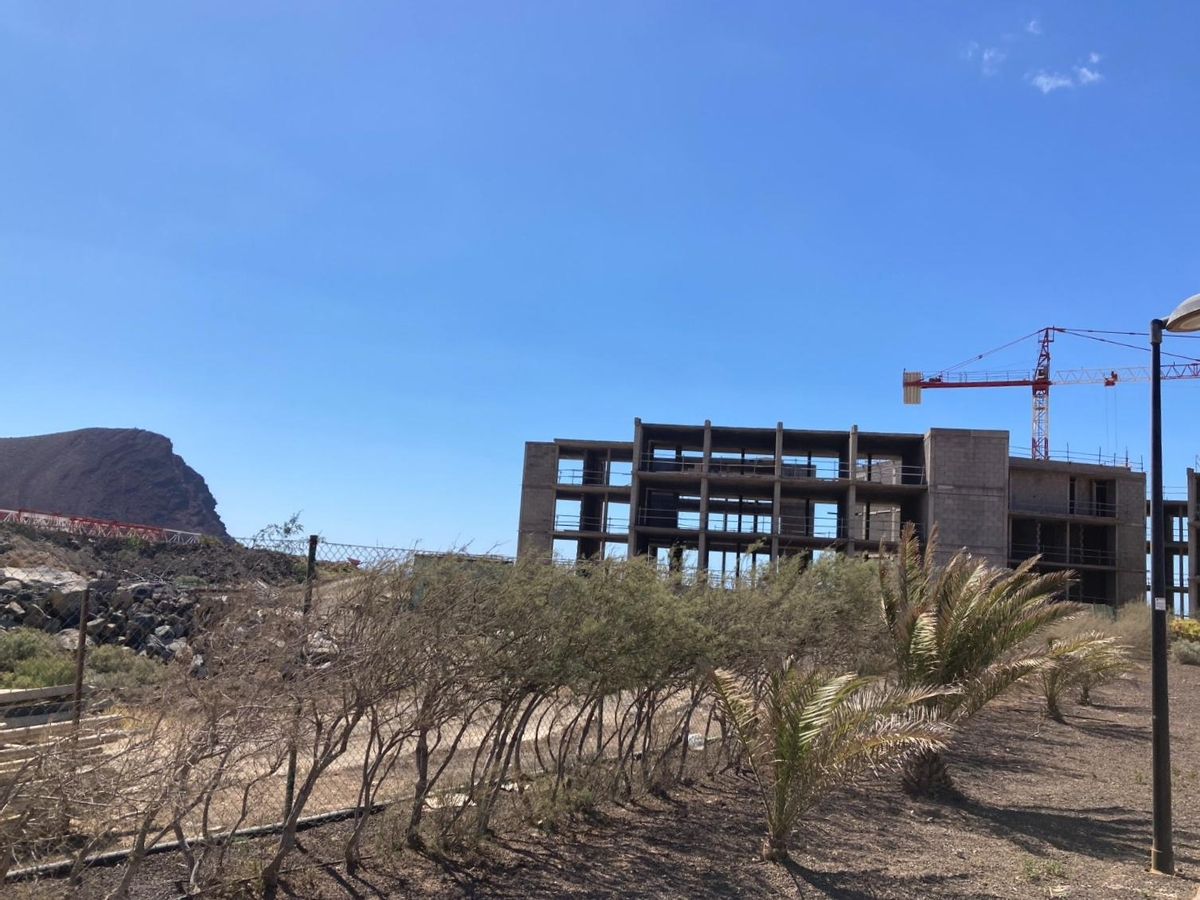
{"type": "Point", "coordinates": [1039, 379]}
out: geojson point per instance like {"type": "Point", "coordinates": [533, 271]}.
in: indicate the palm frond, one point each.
{"type": "Point", "coordinates": [809, 733]}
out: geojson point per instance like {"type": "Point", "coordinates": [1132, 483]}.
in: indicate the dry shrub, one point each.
{"type": "Point", "coordinates": [469, 694]}
{"type": "Point", "coordinates": [1186, 653]}
{"type": "Point", "coordinates": [1128, 625]}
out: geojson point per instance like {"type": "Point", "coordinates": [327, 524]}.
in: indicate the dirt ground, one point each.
{"type": "Point", "coordinates": [1050, 810]}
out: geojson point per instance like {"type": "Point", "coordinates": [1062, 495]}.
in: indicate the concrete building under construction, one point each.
{"type": "Point", "coordinates": [724, 499]}
{"type": "Point", "coordinates": [1181, 527]}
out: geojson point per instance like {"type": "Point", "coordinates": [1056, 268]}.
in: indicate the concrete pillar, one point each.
{"type": "Point", "coordinates": [702, 538]}
{"type": "Point", "coordinates": [538, 487]}
{"type": "Point", "coordinates": [1193, 543]}
{"type": "Point", "coordinates": [777, 500]}
{"type": "Point", "coordinates": [851, 522]}
{"type": "Point", "coordinates": [635, 497]}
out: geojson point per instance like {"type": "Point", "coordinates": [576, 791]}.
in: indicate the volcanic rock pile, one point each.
{"type": "Point", "coordinates": [151, 617]}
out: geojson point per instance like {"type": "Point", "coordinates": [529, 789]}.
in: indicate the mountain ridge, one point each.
{"type": "Point", "coordinates": [124, 474]}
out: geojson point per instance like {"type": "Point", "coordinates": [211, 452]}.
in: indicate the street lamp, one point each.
{"type": "Point", "coordinates": [1186, 317]}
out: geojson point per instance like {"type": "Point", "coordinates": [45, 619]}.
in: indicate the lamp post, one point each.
{"type": "Point", "coordinates": [1186, 317]}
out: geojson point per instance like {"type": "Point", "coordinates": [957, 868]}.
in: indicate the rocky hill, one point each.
{"type": "Point", "coordinates": [125, 474]}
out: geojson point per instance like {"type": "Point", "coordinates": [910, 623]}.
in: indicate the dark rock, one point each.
{"type": "Point", "coordinates": [164, 633]}
{"type": "Point", "coordinates": [65, 604]}
{"type": "Point", "coordinates": [121, 599]}
{"type": "Point", "coordinates": [94, 625]}
{"type": "Point", "coordinates": [35, 617]}
{"type": "Point", "coordinates": [154, 647]}
{"type": "Point", "coordinates": [15, 609]}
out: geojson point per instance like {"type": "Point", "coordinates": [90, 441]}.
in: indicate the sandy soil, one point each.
{"type": "Point", "coordinates": [1050, 810]}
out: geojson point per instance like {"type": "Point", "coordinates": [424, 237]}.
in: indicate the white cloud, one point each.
{"type": "Point", "coordinates": [1034, 27]}
{"type": "Point", "coordinates": [1050, 81]}
{"type": "Point", "coordinates": [991, 59]}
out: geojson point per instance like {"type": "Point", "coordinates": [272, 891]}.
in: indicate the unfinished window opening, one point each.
{"type": "Point", "coordinates": [565, 550]}
{"type": "Point", "coordinates": [1179, 529]}
{"type": "Point", "coordinates": [660, 509]}
{"type": "Point", "coordinates": [880, 521]}
{"type": "Point", "coordinates": [689, 512]}
{"type": "Point", "coordinates": [567, 515]}
{"type": "Point", "coordinates": [616, 520]}
{"type": "Point", "coordinates": [1031, 537]}
{"type": "Point", "coordinates": [727, 462]}
{"type": "Point", "coordinates": [742, 515]}
{"type": "Point", "coordinates": [796, 517]}
{"type": "Point", "coordinates": [620, 473]}
{"type": "Point", "coordinates": [824, 468]}
{"type": "Point", "coordinates": [797, 467]}
{"type": "Point", "coordinates": [570, 470]}
{"type": "Point", "coordinates": [616, 550]}
{"type": "Point", "coordinates": [825, 520]}
{"type": "Point", "coordinates": [879, 469]}
{"type": "Point", "coordinates": [1093, 545]}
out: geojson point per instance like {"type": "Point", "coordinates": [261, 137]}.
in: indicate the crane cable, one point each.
{"type": "Point", "coordinates": [1092, 337]}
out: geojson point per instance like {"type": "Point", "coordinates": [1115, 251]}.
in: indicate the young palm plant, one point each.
{"type": "Point", "coordinates": [1081, 663]}
{"type": "Point", "coordinates": [964, 624]}
{"type": "Point", "coordinates": [806, 734]}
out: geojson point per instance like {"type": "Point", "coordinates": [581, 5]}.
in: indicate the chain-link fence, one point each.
{"type": "Point", "coordinates": [446, 688]}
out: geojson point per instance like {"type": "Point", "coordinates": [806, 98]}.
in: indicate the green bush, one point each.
{"type": "Point", "coordinates": [825, 614]}
{"type": "Point", "coordinates": [119, 668]}
{"type": "Point", "coordinates": [40, 671]}
{"type": "Point", "coordinates": [19, 644]}
{"type": "Point", "coordinates": [1187, 653]}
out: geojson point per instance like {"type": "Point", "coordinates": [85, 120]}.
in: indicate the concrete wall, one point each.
{"type": "Point", "coordinates": [967, 474]}
{"type": "Point", "coordinates": [1193, 480]}
{"type": "Point", "coordinates": [1131, 536]}
{"type": "Point", "coordinates": [535, 531]}
{"type": "Point", "coordinates": [1033, 487]}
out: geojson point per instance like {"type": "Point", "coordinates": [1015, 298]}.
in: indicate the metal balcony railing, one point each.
{"type": "Point", "coordinates": [1064, 555]}
{"type": "Point", "coordinates": [608, 524]}
{"type": "Point", "coordinates": [1098, 458]}
{"type": "Point", "coordinates": [824, 469]}
{"type": "Point", "coordinates": [1066, 508]}
{"type": "Point", "coordinates": [763, 526]}
{"type": "Point", "coordinates": [592, 476]}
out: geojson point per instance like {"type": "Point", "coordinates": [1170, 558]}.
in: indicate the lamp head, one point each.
{"type": "Point", "coordinates": [1186, 316]}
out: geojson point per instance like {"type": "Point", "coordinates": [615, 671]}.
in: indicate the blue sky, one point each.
{"type": "Point", "coordinates": [350, 257]}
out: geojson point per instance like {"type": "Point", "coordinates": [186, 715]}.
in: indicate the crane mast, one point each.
{"type": "Point", "coordinates": [1041, 397]}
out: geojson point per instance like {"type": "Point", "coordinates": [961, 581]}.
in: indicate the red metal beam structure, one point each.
{"type": "Point", "coordinates": [1039, 379]}
{"type": "Point", "coordinates": [103, 528]}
